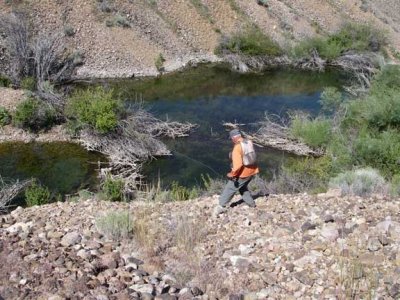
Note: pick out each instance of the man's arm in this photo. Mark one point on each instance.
(237, 163)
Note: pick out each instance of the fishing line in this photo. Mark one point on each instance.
(197, 161)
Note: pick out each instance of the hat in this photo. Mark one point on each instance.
(234, 132)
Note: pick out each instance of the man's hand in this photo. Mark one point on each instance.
(230, 176)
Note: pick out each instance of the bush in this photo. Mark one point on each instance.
(34, 115)
(37, 194)
(300, 175)
(212, 186)
(4, 81)
(182, 193)
(330, 99)
(114, 189)
(378, 150)
(361, 182)
(159, 63)
(95, 107)
(395, 185)
(355, 37)
(118, 20)
(316, 133)
(5, 117)
(115, 225)
(249, 42)
(105, 6)
(28, 83)
(69, 30)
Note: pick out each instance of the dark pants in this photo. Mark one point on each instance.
(234, 186)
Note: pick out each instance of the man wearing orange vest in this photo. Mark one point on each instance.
(239, 176)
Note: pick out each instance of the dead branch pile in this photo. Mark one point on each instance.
(45, 58)
(134, 143)
(9, 190)
(274, 133)
(16, 34)
(362, 66)
(245, 64)
(313, 63)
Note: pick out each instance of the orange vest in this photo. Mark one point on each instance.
(238, 169)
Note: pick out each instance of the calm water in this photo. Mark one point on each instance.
(207, 96)
(211, 95)
(64, 168)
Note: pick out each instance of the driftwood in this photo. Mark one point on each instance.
(361, 66)
(245, 64)
(8, 191)
(132, 144)
(272, 134)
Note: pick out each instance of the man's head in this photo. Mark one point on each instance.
(235, 135)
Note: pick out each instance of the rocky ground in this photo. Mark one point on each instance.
(186, 32)
(290, 247)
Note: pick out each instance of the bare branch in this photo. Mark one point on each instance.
(9, 190)
(134, 143)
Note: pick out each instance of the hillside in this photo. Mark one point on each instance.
(121, 38)
(290, 247)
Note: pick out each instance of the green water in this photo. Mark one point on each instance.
(64, 168)
(210, 95)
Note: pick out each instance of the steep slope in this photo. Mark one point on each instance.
(189, 30)
(290, 247)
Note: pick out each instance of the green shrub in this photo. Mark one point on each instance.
(250, 42)
(28, 83)
(4, 81)
(316, 133)
(95, 107)
(330, 99)
(182, 193)
(355, 37)
(115, 225)
(361, 182)
(118, 20)
(5, 117)
(113, 189)
(308, 174)
(378, 150)
(69, 30)
(212, 186)
(395, 185)
(37, 194)
(159, 63)
(34, 115)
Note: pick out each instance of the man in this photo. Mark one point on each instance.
(239, 176)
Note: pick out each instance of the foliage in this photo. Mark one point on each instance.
(262, 2)
(212, 186)
(5, 117)
(118, 20)
(313, 132)
(113, 189)
(330, 100)
(395, 185)
(115, 225)
(308, 174)
(69, 30)
(28, 83)
(378, 150)
(105, 6)
(159, 62)
(355, 37)
(4, 81)
(182, 193)
(360, 182)
(251, 41)
(95, 107)
(36, 194)
(34, 114)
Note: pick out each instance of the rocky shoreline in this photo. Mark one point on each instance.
(290, 247)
